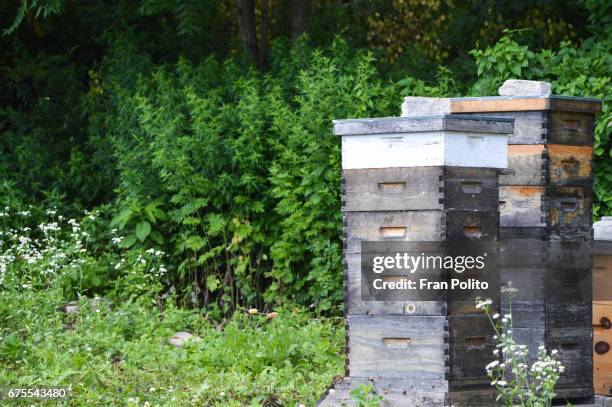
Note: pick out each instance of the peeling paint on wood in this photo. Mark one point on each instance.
(528, 163)
(521, 206)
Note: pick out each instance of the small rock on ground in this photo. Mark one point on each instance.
(181, 338)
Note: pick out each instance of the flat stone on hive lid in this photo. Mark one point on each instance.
(603, 229)
(518, 87)
(415, 106)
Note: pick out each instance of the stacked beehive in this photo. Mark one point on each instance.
(602, 307)
(545, 217)
(418, 179)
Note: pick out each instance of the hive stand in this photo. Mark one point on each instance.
(418, 179)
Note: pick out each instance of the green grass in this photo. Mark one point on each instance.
(120, 354)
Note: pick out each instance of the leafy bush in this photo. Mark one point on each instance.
(246, 170)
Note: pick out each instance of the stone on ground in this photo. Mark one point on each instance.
(181, 338)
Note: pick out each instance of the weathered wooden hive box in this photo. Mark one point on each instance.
(545, 218)
(602, 307)
(424, 179)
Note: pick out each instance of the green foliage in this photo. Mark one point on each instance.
(119, 353)
(134, 222)
(364, 396)
(35, 9)
(445, 85)
(305, 174)
(584, 70)
(247, 170)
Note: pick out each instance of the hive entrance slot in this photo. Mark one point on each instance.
(396, 342)
(392, 187)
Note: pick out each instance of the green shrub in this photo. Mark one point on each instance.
(248, 172)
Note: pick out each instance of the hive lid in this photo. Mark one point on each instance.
(390, 125)
(447, 140)
(525, 103)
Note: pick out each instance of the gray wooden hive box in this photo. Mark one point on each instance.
(425, 179)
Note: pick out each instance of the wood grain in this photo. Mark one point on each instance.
(602, 382)
(568, 208)
(481, 105)
(602, 278)
(390, 125)
(474, 398)
(569, 314)
(392, 189)
(471, 346)
(528, 163)
(529, 233)
(528, 303)
(571, 128)
(521, 206)
(575, 353)
(504, 104)
(472, 225)
(422, 358)
(355, 306)
(602, 340)
(532, 337)
(419, 225)
(570, 165)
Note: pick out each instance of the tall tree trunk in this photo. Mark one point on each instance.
(300, 13)
(246, 27)
(263, 35)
